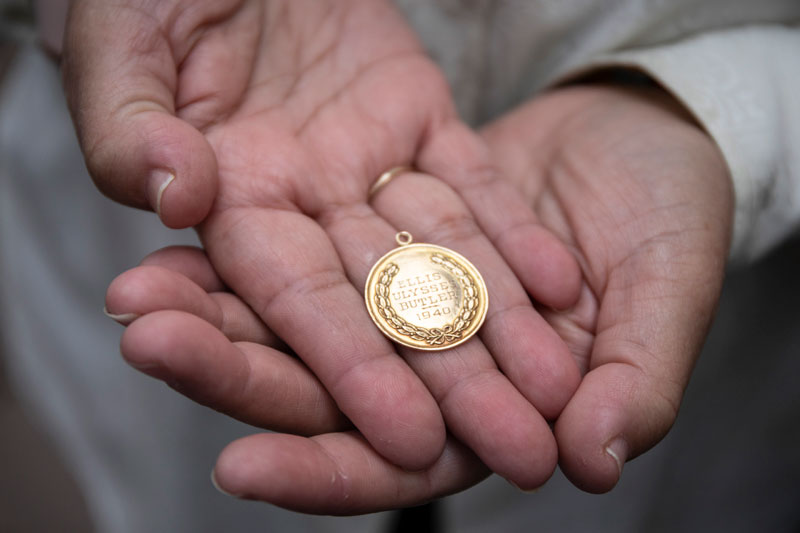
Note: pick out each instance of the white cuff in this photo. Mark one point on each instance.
(743, 86)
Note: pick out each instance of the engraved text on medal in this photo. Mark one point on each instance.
(425, 296)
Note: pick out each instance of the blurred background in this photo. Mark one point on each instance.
(37, 492)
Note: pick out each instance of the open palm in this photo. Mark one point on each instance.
(264, 123)
(643, 197)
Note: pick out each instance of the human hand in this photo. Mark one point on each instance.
(264, 123)
(215, 350)
(644, 199)
(618, 174)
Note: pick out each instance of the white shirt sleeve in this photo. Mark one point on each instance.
(743, 86)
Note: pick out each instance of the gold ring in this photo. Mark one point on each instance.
(386, 177)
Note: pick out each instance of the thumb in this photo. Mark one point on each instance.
(653, 319)
(120, 77)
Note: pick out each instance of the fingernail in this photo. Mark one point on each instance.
(158, 182)
(526, 491)
(124, 319)
(618, 450)
(216, 485)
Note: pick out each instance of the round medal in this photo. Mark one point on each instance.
(425, 296)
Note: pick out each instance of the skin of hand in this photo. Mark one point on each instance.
(215, 350)
(643, 197)
(264, 123)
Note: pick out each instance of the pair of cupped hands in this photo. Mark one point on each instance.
(599, 217)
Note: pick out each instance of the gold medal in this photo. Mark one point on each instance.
(425, 296)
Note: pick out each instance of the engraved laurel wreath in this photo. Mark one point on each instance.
(433, 336)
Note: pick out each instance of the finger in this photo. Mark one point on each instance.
(479, 405)
(521, 342)
(239, 321)
(544, 266)
(649, 336)
(189, 261)
(284, 266)
(250, 382)
(147, 289)
(576, 326)
(337, 474)
(120, 77)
